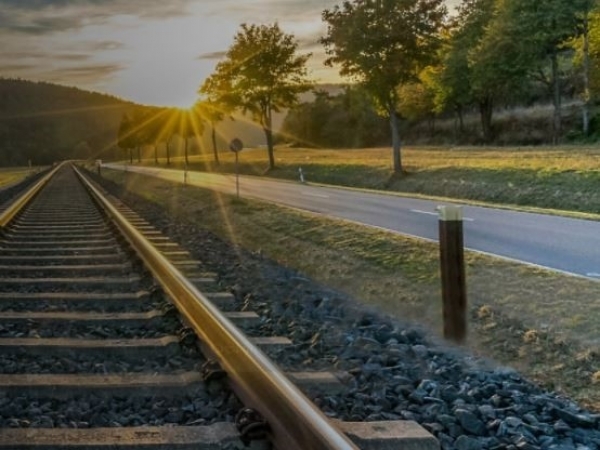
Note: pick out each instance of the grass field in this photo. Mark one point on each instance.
(13, 175)
(564, 178)
(542, 323)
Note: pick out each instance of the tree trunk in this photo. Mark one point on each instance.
(156, 154)
(269, 138)
(130, 156)
(586, 75)
(214, 144)
(139, 154)
(395, 128)
(186, 151)
(168, 154)
(461, 121)
(431, 124)
(486, 109)
(556, 100)
(269, 135)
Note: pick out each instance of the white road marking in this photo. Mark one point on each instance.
(429, 213)
(315, 195)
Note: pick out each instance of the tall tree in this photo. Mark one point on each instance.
(213, 113)
(587, 46)
(455, 81)
(189, 126)
(530, 36)
(125, 138)
(383, 44)
(260, 75)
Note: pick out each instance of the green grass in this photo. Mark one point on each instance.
(400, 276)
(563, 178)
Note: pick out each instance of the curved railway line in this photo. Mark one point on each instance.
(86, 330)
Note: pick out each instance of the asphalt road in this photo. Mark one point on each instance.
(558, 243)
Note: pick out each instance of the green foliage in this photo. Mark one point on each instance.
(384, 44)
(593, 29)
(261, 74)
(416, 100)
(344, 120)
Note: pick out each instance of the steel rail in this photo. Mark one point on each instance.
(11, 212)
(295, 423)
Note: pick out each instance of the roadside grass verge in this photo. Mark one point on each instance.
(543, 323)
(563, 178)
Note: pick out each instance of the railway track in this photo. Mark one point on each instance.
(101, 321)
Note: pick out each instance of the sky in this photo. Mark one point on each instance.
(154, 52)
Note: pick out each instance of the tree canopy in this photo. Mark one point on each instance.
(383, 44)
(260, 74)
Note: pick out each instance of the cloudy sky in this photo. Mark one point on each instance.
(149, 51)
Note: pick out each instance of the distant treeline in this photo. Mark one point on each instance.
(43, 122)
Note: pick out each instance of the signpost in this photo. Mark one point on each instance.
(236, 146)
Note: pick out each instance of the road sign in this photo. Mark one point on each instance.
(236, 145)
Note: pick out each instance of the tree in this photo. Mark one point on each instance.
(124, 136)
(189, 125)
(453, 82)
(169, 130)
(383, 44)
(347, 119)
(155, 130)
(530, 36)
(587, 56)
(261, 74)
(212, 112)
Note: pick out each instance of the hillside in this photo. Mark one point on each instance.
(44, 122)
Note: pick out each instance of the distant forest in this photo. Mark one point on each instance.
(44, 122)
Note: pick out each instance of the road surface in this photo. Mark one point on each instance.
(558, 243)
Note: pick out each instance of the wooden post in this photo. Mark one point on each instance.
(237, 176)
(454, 291)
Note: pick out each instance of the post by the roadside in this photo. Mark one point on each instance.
(301, 174)
(236, 146)
(452, 263)
(185, 174)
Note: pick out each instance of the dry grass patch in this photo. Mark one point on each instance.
(13, 175)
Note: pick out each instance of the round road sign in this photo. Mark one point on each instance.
(236, 145)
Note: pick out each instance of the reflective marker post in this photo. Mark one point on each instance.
(452, 263)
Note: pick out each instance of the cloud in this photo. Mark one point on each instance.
(14, 68)
(87, 74)
(99, 46)
(213, 55)
(41, 17)
(282, 10)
